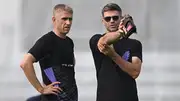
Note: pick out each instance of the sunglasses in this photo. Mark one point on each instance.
(108, 18)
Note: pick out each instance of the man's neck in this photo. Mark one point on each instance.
(59, 34)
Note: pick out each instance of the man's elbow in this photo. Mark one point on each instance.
(136, 71)
(102, 40)
(23, 64)
(27, 60)
(26, 65)
(135, 75)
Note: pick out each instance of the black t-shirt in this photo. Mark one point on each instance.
(56, 59)
(113, 83)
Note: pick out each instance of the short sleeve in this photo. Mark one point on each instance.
(137, 51)
(97, 55)
(40, 48)
(93, 42)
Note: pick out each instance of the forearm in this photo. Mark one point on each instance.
(31, 76)
(110, 37)
(131, 69)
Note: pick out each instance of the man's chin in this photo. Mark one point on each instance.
(66, 32)
(113, 30)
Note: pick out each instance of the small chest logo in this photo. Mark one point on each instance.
(67, 65)
(126, 55)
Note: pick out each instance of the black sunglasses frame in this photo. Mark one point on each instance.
(108, 18)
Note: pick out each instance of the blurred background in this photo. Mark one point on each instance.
(22, 22)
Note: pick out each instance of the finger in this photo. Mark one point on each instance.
(124, 29)
(122, 19)
(101, 47)
(104, 52)
(107, 46)
(105, 49)
(121, 23)
(121, 31)
(60, 89)
(52, 92)
(120, 26)
(55, 90)
(101, 50)
(54, 83)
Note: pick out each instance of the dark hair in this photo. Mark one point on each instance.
(111, 7)
(62, 7)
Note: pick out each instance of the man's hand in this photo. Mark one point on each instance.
(127, 26)
(122, 30)
(106, 49)
(51, 89)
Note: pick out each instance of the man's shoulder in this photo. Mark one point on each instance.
(46, 37)
(95, 37)
(134, 42)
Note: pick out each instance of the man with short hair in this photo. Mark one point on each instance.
(117, 60)
(55, 53)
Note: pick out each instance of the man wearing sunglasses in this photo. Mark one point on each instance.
(55, 53)
(117, 60)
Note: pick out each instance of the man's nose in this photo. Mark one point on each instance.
(111, 20)
(68, 21)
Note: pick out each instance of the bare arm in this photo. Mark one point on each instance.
(28, 68)
(109, 38)
(133, 69)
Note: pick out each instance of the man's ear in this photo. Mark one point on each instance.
(102, 19)
(53, 19)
